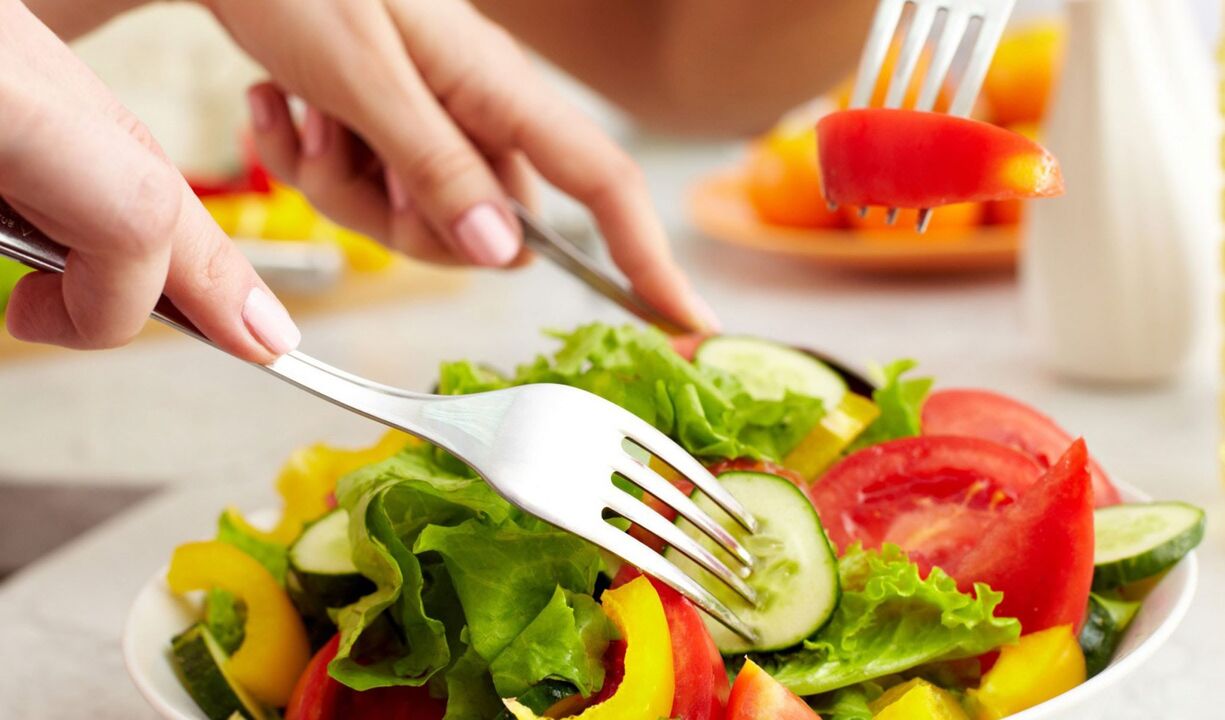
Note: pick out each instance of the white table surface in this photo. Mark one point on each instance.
(178, 413)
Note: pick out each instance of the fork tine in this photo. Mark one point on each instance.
(644, 558)
(636, 512)
(917, 32)
(884, 25)
(662, 446)
(956, 20)
(667, 493)
(980, 57)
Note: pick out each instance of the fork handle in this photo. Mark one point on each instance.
(31, 247)
(28, 245)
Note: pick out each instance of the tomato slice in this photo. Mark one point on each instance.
(1001, 419)
(933, 496)
(701, 677)
(757, 696)
(316, 696)
(392, 703)
(913, 159)
(1039, 553)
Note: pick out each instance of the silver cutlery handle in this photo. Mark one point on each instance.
(548, 242)
(29, 246)
(26, 244)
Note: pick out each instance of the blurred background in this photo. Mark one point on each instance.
(150, 440)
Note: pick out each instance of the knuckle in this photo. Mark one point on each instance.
(145, 220)
(618, 174)
(437, 170)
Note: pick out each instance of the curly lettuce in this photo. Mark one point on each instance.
(706, 410)
(472, 598)
(900, 401)
(891, 619)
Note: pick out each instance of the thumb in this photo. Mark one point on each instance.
(218, 290)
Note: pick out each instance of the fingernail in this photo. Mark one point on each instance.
(703, 314)
(314, 133)
(269, 321)
(485, 237)
(261, 110)
(396, 193)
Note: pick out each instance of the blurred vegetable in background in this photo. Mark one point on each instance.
(10, 272)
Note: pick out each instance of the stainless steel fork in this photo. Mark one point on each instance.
(957, 15)
(551, 450)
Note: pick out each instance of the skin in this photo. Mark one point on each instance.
(404, 139)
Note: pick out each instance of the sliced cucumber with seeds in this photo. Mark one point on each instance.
(1136, 541)
(768, 370)
(322, 563)
(200, 664)
(796, 571)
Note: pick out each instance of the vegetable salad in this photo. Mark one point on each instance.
(947, 554)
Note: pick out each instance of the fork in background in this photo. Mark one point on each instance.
(946, 40)
(551, 450)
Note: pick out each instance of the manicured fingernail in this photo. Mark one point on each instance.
(396, 193)
(485, 237)
(269, 321)
(703, 314)
(261, 110)
(314, 133)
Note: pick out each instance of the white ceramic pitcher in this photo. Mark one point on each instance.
(1113, 273)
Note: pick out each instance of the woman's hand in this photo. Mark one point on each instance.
(85, 171)
(423, 118)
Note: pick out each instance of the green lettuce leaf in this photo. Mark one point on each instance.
(891, 619)
(705, 410)
(901, 404)
(226, 618)
(272, 556)
(525, 624)
(473, 598)
(848, 703)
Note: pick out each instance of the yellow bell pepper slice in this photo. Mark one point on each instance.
(646, 690)
(821, 447)
(1038, 667)
(307, 482)
(917, 699)
(275, 649)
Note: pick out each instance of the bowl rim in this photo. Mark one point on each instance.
(1187, 569)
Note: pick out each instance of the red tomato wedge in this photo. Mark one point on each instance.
(317, 696)
(393, 703)
(995, 417)
(932, 496)
(1040, 551)
(701, 677)
(913, 159)
(757, 696)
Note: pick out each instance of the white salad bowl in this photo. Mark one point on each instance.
(158, 614)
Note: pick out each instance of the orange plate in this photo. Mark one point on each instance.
(719, 207)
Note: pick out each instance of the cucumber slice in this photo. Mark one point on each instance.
(322, 563)
(1136, 541)
(541, 697)
(796, 573)
(200, 664)
(768, 370)
(1105, 622)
